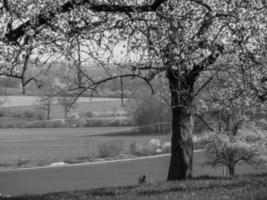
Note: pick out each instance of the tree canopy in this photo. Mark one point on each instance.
(151, 36)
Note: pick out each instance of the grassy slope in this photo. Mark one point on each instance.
(245, 188)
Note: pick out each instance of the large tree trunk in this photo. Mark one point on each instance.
(182, 145)
(181, 82)
(182, 128)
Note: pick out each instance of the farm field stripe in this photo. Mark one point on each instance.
(95, 163)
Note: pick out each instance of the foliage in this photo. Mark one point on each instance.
(87, 114)
(46, 103)
(105, 122)
(22, 123)
(69, 122)
(138, 150)
(148, 112)
(67, 102)
(47, 98)
(226, 149)
(106, 150)
(175, 34)
(28, 115)
(228, 107)
(22, 162)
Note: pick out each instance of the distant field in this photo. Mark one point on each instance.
(33, 100)
(42, 146)
(84, 104)
(57, 111)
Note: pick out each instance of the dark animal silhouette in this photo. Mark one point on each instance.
(142, 179)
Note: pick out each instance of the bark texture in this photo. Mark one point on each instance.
(182, 94)
(182, 145)
(182, 128)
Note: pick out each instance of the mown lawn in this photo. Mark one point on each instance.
(203, 188)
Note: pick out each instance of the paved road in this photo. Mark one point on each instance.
(36, 181)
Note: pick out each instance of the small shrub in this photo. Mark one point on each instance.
(105, 122)
(138, 150)
(86, 114)
(153, 145)
(106, 150)
(22, 162)
(45, 124)
(4, 165)
(167, 147)
(28, 114)
(79, 159)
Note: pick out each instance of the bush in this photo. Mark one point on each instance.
(46, 124)
(24, 115)
(167, 147)
(106, 150)
(86, 114)
(22, 162)
(148, 112)
(138, 150)
(104, 122)
(152, 148)
(70, 122)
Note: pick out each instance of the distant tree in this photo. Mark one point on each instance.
(46, 102)
(229, 109)
(149, 111)
(246, 146)
(67, 102)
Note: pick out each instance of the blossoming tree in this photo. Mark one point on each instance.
(181, 39)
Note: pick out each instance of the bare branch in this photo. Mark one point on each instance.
(204, 121)
(125, 8)
(200, 2)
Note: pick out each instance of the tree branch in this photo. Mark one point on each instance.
(200, 2)
(43, 18)
(197, 68)
(204, 122)
(126, 8)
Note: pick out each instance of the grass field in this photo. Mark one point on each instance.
(42, 146)
(89, 175)
(241, 188)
